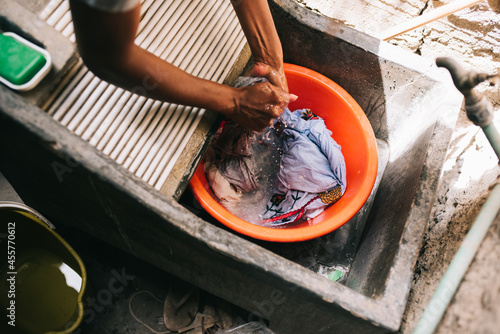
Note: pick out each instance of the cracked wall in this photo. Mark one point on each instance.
(471, 36)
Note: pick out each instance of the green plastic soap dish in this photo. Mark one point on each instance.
(22, 63)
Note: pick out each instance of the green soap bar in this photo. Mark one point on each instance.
(19, 63)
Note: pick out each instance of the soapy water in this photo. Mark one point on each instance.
(267, 153)
(267, 150)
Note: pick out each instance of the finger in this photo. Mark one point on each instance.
(273, 110)
(277, 80)
(275, 76)
(278, 110)
(286, 98)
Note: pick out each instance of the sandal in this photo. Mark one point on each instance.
(181, 305)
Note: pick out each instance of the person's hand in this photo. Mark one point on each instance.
(258, 105)
(275, 74)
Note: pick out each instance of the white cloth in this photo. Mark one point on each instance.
(112, 5)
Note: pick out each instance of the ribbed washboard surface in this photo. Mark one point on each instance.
(202, 37)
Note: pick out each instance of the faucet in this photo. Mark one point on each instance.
(479, 109)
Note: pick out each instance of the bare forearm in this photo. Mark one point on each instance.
(258, 25)
(144, 73)
(106, 43)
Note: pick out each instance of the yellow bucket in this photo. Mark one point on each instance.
(42, 279)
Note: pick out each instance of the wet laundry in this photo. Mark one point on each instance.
(311, 173)
(229, 164)
(312, 170)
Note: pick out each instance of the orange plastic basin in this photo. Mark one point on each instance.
(351, 129)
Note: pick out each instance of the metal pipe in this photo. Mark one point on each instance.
(463, 79)
(493, 136)
(458, 266)
(479, 109)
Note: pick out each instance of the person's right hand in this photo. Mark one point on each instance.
(258, 105)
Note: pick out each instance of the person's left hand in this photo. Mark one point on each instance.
(275, 74)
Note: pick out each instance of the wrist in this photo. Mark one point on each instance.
(274, 62)
(225, 101)
(268, 52)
